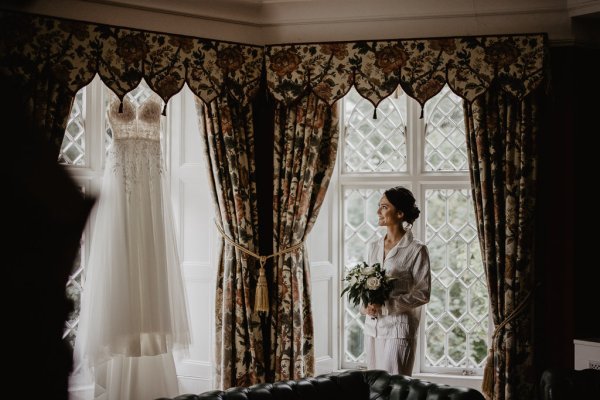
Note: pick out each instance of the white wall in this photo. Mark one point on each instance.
(291, 21)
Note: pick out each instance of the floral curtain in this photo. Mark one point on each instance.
(470, 65)
(306, 140)
(53, 58)
(501, 141)
(228, 139)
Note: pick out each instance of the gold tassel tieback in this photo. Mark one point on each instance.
(261, 297)
(487, 384)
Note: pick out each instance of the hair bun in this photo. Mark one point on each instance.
(411, 215)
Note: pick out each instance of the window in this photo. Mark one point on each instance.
(428, 156)
(72, 155)
(83, 151)
(72, 150)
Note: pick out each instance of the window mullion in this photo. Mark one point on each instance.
(94, 123)
(415, 142)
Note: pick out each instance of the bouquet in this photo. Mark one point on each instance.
(368, 284)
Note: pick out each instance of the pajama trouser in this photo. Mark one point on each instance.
(395, 356)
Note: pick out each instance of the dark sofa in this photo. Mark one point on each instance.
(348, 385)
(567, 384)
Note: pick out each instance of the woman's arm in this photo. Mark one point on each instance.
(402, 299)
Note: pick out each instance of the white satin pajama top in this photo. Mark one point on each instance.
(408, 261)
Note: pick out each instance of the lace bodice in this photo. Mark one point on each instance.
(141, 122)
(135, 154)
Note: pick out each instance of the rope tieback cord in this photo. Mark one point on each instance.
(261, 298)
(487, 385)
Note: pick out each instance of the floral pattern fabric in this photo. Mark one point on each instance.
(54, 58)
(470, 65)
(501, 140)
(228, 140)
(306, 141)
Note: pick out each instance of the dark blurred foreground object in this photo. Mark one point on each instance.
(570, 384)
(348, 385)
(44, 217)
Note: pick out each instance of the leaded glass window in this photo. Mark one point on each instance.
(431, 160)
(375, 145)
(457, 314)
(72, 150)
(445, 144)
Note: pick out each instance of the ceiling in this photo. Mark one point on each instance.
(284, 21)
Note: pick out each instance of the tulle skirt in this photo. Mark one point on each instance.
(130, 378)
(136, 378)
(133, 301)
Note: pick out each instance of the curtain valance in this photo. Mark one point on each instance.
(70, 53)
(470, 65)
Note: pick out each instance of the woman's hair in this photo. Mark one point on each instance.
(403, 200)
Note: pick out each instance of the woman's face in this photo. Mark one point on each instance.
(387, 215)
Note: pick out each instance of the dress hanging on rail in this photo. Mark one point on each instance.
(133, 312)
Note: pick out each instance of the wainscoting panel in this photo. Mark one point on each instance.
(323, 322)
(194, 377)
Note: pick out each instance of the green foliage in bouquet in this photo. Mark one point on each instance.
(368, 284)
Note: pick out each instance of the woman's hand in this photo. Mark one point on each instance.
(373, 310)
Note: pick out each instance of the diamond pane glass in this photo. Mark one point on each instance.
(72, 150)
(375, 145)
(73, 291)
(457, 315)
(445, 142)
(360, 227)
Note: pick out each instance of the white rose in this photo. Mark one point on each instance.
(373, 283)
(368, 270)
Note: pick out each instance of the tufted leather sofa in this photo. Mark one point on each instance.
(567, 384)
(348, 385)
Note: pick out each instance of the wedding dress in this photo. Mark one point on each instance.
(133, 309)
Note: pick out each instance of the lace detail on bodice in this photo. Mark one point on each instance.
(142, 122)
(139, 161)
(136, 152)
